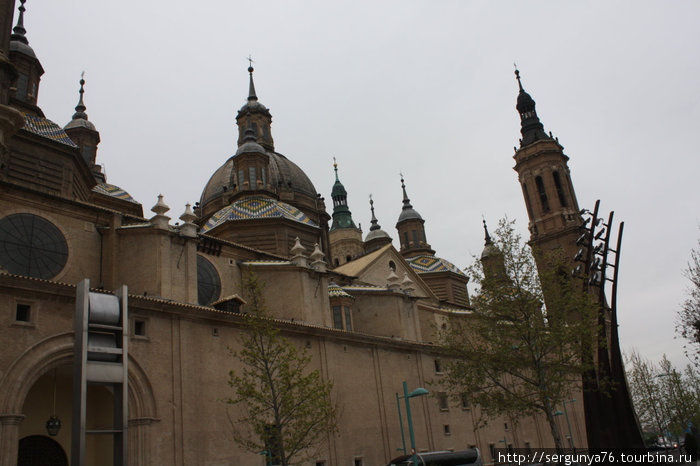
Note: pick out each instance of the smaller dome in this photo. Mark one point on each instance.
(407, 210)
(253, 106)
(21, 47)
(525, 102)
(490, 250)
(250, 146)
(375, 234)
(409, 214)
(80, 123)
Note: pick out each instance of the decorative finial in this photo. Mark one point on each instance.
(80, 108)
(406, 200)
(517, 76)
(251, 88)
(375, 222)
(335, 167)
(487, 237)
(18, 32)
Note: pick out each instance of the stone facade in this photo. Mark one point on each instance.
(178, 279)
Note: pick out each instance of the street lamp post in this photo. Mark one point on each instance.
(420, 391)
(403, 438)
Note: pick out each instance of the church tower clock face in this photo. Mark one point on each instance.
(31, 246)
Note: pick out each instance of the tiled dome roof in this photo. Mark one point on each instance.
(429, 264)
(256, 207)
(114, 191)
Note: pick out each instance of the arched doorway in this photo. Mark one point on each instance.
(26, 399)
(39, 450)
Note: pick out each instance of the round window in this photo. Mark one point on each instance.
(208, 282)
(32, 246)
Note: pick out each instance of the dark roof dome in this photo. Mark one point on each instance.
(250, 143)
(22, 47)
(282, 172)
(80, 118)
(525, 102)
(18, 39)
(408, 214)
(407, 210)
(490, 249)
(253, 105)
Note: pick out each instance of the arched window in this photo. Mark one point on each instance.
(527, 200)
(560, 189)
(208, 282)
(542, 193)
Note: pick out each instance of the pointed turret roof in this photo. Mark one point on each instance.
(80, 118)
(252, 105)
(375, 230)
(531, 127)
(407, 211)
(342, 217)
(490, 249)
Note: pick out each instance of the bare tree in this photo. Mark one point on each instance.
(288, 407)
(688, 319)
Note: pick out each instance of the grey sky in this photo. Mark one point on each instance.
(420, 87)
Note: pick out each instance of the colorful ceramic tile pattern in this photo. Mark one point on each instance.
(113, 191)
(47, 129)
(335, 291)
(428, 264)
(256, 207)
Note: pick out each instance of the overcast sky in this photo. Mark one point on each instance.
(425, 88)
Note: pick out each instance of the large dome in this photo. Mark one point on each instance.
(282, 172)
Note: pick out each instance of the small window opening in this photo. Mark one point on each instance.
(446, 429)
(415, 238)
(139, 327)
(542, 193)
(348, 321)
(252, 177)
(392, 266)
(337, 317)
(464, 399)
(438, 365)
(23, 313)
(560, 189)
(442, 402)
(348, 258)
(527, 200)
(358, 462)
(405, 239)
(336, 262)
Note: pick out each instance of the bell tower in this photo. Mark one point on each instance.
(545, 179)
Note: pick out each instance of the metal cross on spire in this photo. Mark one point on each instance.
(250, 60)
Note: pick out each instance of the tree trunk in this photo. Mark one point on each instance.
(553, 427)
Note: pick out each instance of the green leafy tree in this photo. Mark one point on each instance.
(513, 356)
(287, 407)
(646, 394)
(688, 319)
(665, 399)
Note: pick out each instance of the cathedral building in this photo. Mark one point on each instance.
(366, 309)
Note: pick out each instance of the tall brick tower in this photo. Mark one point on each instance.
(544, 177)
(556, 224)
